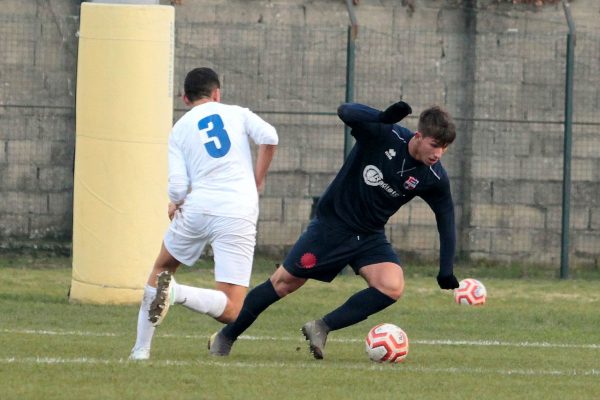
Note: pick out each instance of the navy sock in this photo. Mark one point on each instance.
(257, 300)
(357, 308)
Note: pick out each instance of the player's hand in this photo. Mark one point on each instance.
(395, 113)
(447, 281)
(172, 209)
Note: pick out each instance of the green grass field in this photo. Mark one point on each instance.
(536, 338)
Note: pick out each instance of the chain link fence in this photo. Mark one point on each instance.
(37, 123)
(505, 90)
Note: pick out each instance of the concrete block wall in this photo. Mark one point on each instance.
(516, 167)
(37, 85)
(497, 68)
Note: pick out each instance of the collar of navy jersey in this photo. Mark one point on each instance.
(398, 134)
(402, 168)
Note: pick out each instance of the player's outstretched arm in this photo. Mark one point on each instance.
(354, 113)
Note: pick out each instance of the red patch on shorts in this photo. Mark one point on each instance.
(308, 260)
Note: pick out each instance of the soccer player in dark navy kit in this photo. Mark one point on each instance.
(388, 166)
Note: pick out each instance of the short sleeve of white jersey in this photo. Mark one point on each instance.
(259, 130)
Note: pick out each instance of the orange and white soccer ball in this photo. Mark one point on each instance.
(387, 343)
(470, 292)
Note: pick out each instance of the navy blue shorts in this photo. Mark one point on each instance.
(322, 251)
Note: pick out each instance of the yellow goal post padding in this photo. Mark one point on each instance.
(124, 112)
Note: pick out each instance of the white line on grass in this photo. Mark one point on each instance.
(302, 365)
(453, 342)
(58, 333)
(434, 342)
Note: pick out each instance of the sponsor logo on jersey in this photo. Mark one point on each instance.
(373, 177)
(391, 153)
(411, 183)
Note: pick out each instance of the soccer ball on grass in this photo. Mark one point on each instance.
(470, 292)
(387, 343)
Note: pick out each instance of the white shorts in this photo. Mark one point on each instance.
(232, 240)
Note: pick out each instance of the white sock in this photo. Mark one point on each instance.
(205, 301)
(145, 329)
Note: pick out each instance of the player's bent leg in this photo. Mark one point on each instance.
(386, 283)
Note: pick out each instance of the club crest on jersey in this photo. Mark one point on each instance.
(411, 183)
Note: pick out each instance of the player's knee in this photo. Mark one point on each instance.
(285, 283)
(391, 286)
(392, 290)
(395, 292)
(283, 288)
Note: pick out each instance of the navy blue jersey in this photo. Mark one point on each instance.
(380, 176)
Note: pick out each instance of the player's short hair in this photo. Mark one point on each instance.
(200, 82)
(435, 122)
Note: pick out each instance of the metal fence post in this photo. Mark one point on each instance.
(350, 52)
(566, 192)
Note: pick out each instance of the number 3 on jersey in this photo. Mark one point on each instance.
(218, 143)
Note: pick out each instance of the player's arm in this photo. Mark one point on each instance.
(178, 178)
(442, 205)
(263, 161)
(353, 114)
(265, 135)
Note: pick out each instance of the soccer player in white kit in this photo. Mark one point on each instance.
(213, 193)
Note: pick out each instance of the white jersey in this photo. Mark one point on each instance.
(210, 160)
